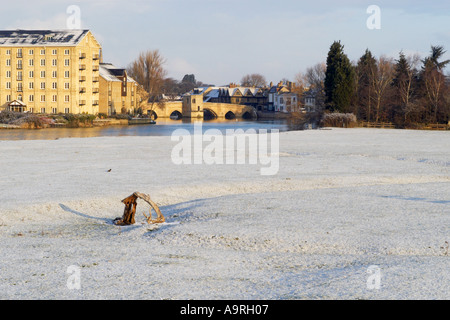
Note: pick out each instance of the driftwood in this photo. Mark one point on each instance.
(130, 210)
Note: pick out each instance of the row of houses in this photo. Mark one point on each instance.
(61, 71)
(277, 98)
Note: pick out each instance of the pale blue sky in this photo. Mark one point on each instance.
(220, 41)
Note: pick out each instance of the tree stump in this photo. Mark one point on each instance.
(130, 210)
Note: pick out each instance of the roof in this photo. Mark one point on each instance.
(17, 103)
(50, 38)
(109, 72)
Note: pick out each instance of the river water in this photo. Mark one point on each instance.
(161, 128)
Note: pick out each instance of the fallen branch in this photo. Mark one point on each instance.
(130, 210)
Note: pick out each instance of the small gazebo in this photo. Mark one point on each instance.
(17, 106)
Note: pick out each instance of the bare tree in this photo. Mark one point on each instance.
(381, 80)
(434, 80)
(149, 72)
(253, 80)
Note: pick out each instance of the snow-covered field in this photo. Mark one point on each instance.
(351, 214)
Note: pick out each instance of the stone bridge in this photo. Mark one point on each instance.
(213, 110)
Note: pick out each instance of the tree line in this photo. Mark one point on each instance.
(405, 91)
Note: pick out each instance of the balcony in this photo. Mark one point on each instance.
(95, 79)
(82, 102)
(96, 57)
(95, 68)
(19, 55)
(82, 55)
(95, 103)
(82, 90)
(95, 90)
(82, 78)
(19, 66)
(82, 67)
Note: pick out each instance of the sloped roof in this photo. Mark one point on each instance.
(110, 73)
(50, 38)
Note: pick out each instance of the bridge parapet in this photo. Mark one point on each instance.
(220, 110)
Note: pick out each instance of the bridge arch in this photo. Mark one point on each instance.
(247, 115)
(152, 114)
(176, 115)
(209, 114)
(230, 115)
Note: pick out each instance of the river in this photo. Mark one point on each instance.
(161, 128)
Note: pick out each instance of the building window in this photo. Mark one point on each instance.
(31, 52)
(54, 98)
(66, 85)
(31, 98)
(66, 52)
(42, 110)
(19, 87)
(31, 74)
(54, 110)
(54, 52)
(8, 62)
(42, 62)
(31, 85)
(42, 74)
(54, 74)
(66, 110)
(42, 85)
(54, 85)
(66, 99)
(19, 53)
(8, 74)
(66, 62)
(54, 62)
(8, 98)
(43, 98)
(42, 51)
(8, 52)
(66, 74)
(31, 62)
(8, 85)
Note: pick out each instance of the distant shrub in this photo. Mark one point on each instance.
(336, 119)
(79, 120)
(8, 117)
(31, 121)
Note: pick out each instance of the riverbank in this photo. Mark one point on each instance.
(347, 206)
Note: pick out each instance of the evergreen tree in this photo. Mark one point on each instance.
(339, 79)
(405, 85)
(365, 69)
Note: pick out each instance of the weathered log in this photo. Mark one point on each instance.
(130, 210)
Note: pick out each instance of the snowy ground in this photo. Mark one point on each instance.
(343, 200)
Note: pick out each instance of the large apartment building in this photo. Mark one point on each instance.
(50, 71)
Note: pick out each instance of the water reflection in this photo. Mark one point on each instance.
(163, 127)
